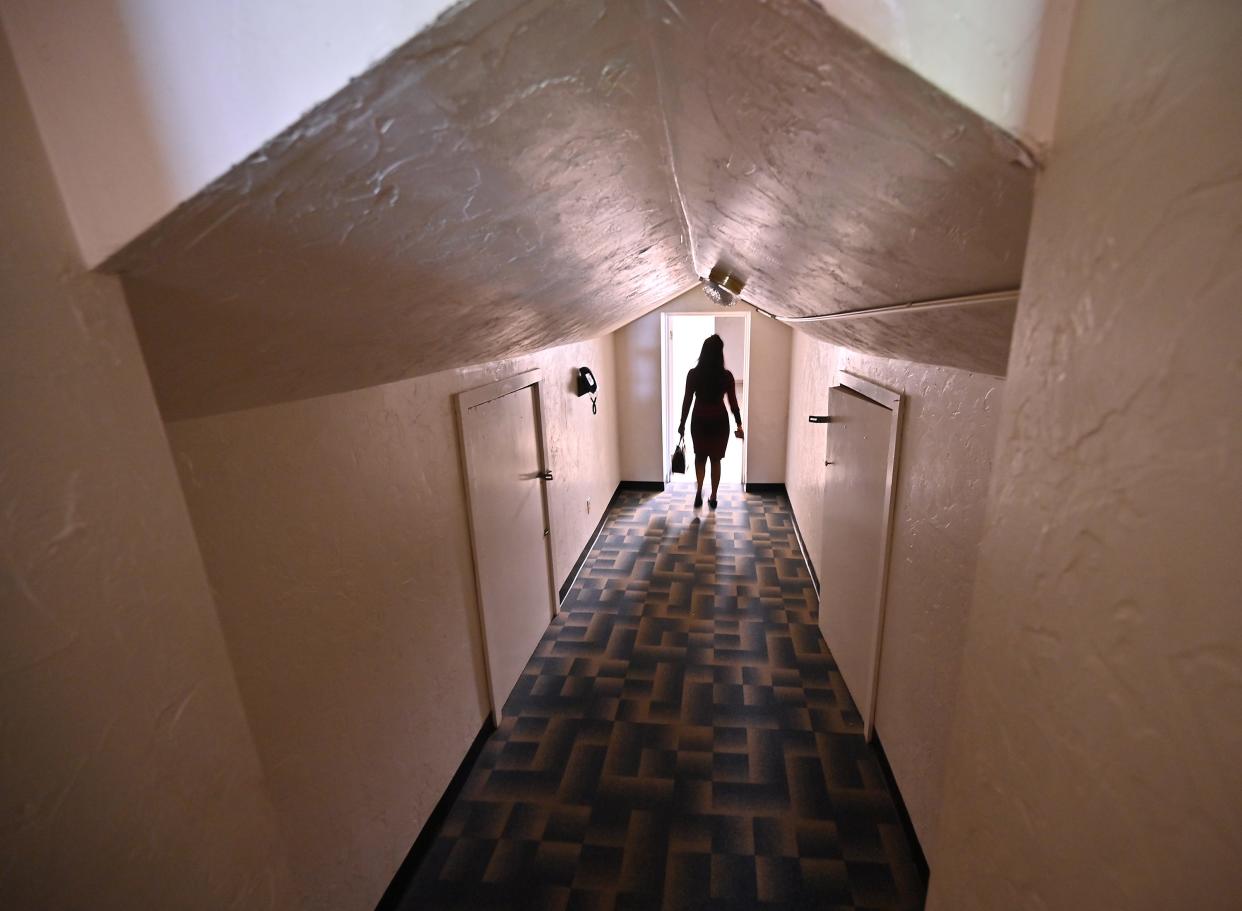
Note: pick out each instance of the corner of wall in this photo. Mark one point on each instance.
(133, 756)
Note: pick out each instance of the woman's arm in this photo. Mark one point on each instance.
(731, 392)
(685, 402)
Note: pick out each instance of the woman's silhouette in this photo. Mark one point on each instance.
(707, 385)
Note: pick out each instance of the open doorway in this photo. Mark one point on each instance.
(682, 336)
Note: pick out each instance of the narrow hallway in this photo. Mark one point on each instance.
(680, 739)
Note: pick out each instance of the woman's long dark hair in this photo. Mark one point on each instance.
(711, 368)
(712, 353)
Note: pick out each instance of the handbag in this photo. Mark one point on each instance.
(679, 456)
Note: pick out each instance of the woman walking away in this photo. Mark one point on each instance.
(707, 385)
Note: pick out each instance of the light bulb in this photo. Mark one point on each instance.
(718, 294)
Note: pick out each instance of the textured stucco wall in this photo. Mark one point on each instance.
(949, 428)
(1095, 757)
(638, 358)
(128, 778)
(766, 435)
(335, 535)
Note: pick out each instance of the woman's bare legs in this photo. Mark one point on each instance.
(700, 469)
(715, 478)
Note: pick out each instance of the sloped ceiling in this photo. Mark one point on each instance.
(831, 178)
(496, 186)
(525, 174)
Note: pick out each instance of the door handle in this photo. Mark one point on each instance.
(547, 475)
(821, 419)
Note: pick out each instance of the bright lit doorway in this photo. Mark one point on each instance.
(681, 337)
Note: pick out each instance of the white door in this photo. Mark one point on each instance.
(505, 472)
(853, 565)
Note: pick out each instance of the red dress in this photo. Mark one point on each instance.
(709, 425)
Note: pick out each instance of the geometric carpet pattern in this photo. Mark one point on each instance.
(681, 738)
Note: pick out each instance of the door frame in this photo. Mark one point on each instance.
(885, 398)
(669, 401)
(472, 398)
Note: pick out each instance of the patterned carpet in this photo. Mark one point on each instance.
(680, 739)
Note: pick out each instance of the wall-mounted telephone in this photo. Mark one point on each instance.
(587, 385)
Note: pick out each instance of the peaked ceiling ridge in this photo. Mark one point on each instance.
(662, 102)
(528, 173)
(1024, 154)
(831, 177)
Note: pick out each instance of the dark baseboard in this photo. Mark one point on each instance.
(657, 486)
(806, 554)
(400, 885)
(916, 849)
(573, 573)
(766, 488)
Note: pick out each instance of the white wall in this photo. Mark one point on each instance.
(141, 103)
(1000, 58)
(638, 357)
(812, 371)
(128, 776)
(638, 400)
(732, 332)
(948, 432)
(1095, 758)
(335, 535)
(766, 424)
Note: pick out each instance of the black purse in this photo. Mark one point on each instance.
(679, 457)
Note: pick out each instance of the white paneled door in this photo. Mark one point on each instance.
(506, 479)
(858, 486)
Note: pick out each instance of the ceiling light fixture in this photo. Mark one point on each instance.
(722, 288)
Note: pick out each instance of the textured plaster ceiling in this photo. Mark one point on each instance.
(525, 174)
(497, 186)
(831, 178)
(972, 338)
